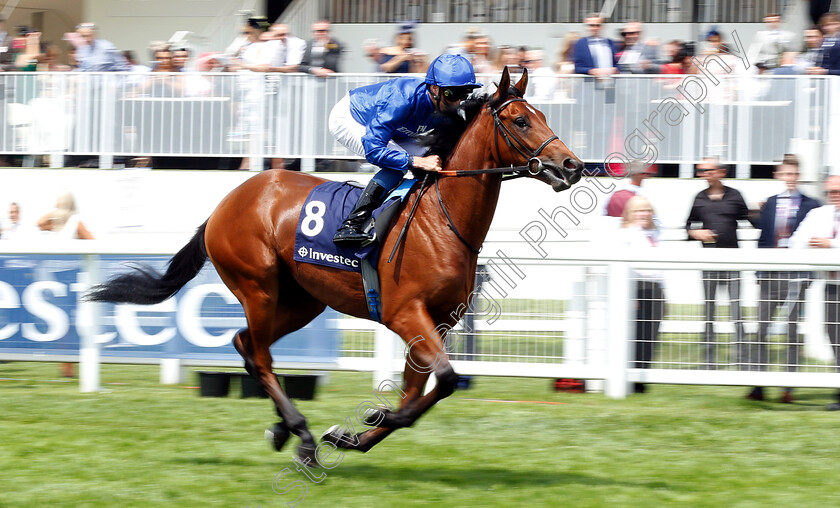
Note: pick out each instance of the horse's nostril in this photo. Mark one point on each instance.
(572, 164)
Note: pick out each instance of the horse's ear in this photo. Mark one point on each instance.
(504, 83)
(522, 84)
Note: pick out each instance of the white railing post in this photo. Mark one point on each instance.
(171, 372)
(107, 121)
(87, 324)
(619, 299)
(256, 105)
(386, 351)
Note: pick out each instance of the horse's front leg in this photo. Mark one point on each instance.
(425, 355)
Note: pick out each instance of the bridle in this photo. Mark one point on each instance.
(534, 167)
(514, 142)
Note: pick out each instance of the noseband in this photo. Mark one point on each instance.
(535, 165)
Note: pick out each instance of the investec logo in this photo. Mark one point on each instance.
(307, 252)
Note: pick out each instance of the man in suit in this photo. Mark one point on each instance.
(830, 26)
(638, 57)
(811, 59)
(595, 55)
(323, 53)
(768, 46)
(780, 217)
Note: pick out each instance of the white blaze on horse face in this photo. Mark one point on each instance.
(530, 109)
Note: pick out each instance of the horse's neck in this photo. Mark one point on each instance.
(472, 199)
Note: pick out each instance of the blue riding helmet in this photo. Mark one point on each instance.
(450, 70)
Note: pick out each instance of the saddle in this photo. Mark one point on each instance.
(322, 213)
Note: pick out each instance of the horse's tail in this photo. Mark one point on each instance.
(145, 286)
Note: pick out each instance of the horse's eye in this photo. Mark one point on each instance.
(521, 122)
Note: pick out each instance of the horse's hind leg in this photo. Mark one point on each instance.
(287, 317)
(270, 317)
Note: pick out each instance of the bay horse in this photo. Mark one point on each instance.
(250, 240)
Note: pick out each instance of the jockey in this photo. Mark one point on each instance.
(380, 122)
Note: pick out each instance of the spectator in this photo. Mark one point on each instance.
(637, 57)
(810, 60)
(480, 57)
(717, 211)
(64, 220)
(638, 172)
(565, 62)
(257, 56)
(287, 49)
(27, 60)
(541, 79)
(638, 231)
(180, 59)
(6, 53)
(507, 56)
(251, 31)
(373, 52)
(595, 55)
(768, 45)
(830, 26)
(714, 43)
(158, 85)
(397, 59)
(681, 61)
(323, 53)
(780, 217)
(821, 230)
(97, 55)
(14, 228)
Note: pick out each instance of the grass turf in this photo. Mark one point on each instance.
(142, 444)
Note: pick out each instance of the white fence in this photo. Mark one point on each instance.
(573, 317)
(741, 119)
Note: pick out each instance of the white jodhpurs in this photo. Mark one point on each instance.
(349, 132)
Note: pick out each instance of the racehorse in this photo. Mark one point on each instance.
(250, 240)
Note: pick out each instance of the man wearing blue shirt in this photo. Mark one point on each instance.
(381, 122)
(97, 55)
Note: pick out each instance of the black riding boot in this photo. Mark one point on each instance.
(350, 233)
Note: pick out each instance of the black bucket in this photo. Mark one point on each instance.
(300, 386)
(252, 388)
(214, 384)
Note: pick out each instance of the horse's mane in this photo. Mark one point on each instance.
(443, 138)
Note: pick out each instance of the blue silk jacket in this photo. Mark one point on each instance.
(397, 109)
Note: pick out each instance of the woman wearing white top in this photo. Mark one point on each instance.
(639, 231)
(64, 220)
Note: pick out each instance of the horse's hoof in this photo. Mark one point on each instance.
(340, 438)
(277, 435)
(374, 417)
(306, 454)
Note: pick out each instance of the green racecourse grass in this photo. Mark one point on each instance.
(142, 444)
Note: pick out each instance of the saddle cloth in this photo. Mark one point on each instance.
(326, 207)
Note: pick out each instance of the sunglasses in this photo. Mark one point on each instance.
(455, 94)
